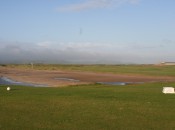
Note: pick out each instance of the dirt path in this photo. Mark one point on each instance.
(58, 78)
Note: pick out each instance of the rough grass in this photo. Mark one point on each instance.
(154, 70)
(90, 107)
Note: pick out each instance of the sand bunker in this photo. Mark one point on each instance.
(64, 78)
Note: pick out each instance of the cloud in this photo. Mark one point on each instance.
(13, 49)
(82, 53)
(59, 52)
(53, 52)
(94, 4)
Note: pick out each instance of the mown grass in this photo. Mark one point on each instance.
(88, 107)
(154, 70)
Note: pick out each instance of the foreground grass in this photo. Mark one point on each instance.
(119, 69)
(91, 107)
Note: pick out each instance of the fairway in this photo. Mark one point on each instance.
(88, 107)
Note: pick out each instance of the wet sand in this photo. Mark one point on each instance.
(57, 78)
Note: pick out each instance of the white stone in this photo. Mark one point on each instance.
(169, 90)
(8, 88)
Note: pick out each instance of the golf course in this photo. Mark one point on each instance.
(85, 104)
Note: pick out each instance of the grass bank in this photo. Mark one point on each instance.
(91, 107)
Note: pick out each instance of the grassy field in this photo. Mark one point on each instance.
(119, 69)
(91, 107)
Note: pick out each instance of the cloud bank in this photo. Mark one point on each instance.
(84, 52)
(54, 52)
(94, 4)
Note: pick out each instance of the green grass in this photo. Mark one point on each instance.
(119, 69)
(88, 107)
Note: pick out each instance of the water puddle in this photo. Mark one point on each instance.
(7, 81)
(119, 83)
(67, 79)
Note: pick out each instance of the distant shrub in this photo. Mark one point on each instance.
(3, 65)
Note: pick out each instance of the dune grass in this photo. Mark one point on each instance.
(87, 107)
(154, 70)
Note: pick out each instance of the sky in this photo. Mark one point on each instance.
(87, 31)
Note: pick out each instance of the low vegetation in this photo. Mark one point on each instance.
(154, 70)
(87, 107)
